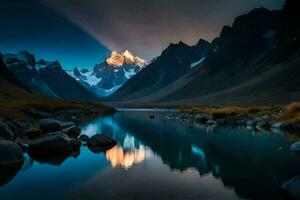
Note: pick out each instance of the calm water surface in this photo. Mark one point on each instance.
(161, 159)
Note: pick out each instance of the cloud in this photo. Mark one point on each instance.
(146, 27)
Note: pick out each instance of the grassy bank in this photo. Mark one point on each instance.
(14, 101)
(17, 109)
(289, 113)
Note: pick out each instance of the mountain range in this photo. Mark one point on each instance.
(254, 61)
(105, 78)
(45, 78)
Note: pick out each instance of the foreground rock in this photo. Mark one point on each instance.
(5, 132)
(99, 143)
(292, 187)
(84, 138)
(53, 144)
(73, 131)
(295, 147)
(50, 125)
(11, 160)
(10, 153)
(33, 132)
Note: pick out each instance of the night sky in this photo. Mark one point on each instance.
(80, 33)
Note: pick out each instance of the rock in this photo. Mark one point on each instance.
(295, 147)
(250, 123)
(100, 143)
(292, 187)
(219, 115)
(11, 160)
(10, 153)
(211, 122)
(76, 144)
(33, 132)
(262, 124)
(66, 125)
(279, 125)
(84, 137)
(151, 117)
(50, 125)
(5, 132)
(201, 119)
(36, 113)
(12, 125)
(53, 144)
(73, 132)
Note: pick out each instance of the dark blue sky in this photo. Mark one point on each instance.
(80, 32)
(28, 25)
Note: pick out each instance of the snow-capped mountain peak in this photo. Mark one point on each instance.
(105, 78)
(116, 59)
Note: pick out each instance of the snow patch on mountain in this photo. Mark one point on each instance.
(194, 64)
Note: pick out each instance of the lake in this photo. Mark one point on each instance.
(162, 158)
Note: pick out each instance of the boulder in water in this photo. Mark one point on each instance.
(73, 131)
(84, 137)
(292, 187)
(52, 144)
(11, 160)
(295, 147)
(100, 143)
(50, 125)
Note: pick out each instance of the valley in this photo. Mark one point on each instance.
(216, 119)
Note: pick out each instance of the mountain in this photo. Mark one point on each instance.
(46, 78)
(254, 61)
(107, 77)
(23, 65)
(10, 86)
(173, 63)
(7, 75)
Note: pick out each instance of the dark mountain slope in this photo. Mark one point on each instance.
(45, 78)
(254, 61)
(64, 85)
(174, 62)
(7, 75)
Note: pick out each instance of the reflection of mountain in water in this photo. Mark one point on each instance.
(129, 150)
(117, 156)
(255, 166)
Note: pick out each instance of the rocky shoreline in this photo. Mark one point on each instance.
(262, 121)
(251, 121)
(47, 138)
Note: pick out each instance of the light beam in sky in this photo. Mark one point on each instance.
(147, 27)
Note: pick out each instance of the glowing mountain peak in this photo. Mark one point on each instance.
(127, 57)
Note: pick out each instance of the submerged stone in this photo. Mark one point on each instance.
(296, 147)
(100, 143)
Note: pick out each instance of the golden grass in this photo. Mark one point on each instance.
(13, 101)
(15, 108)
(291, 113)
(232, 110)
